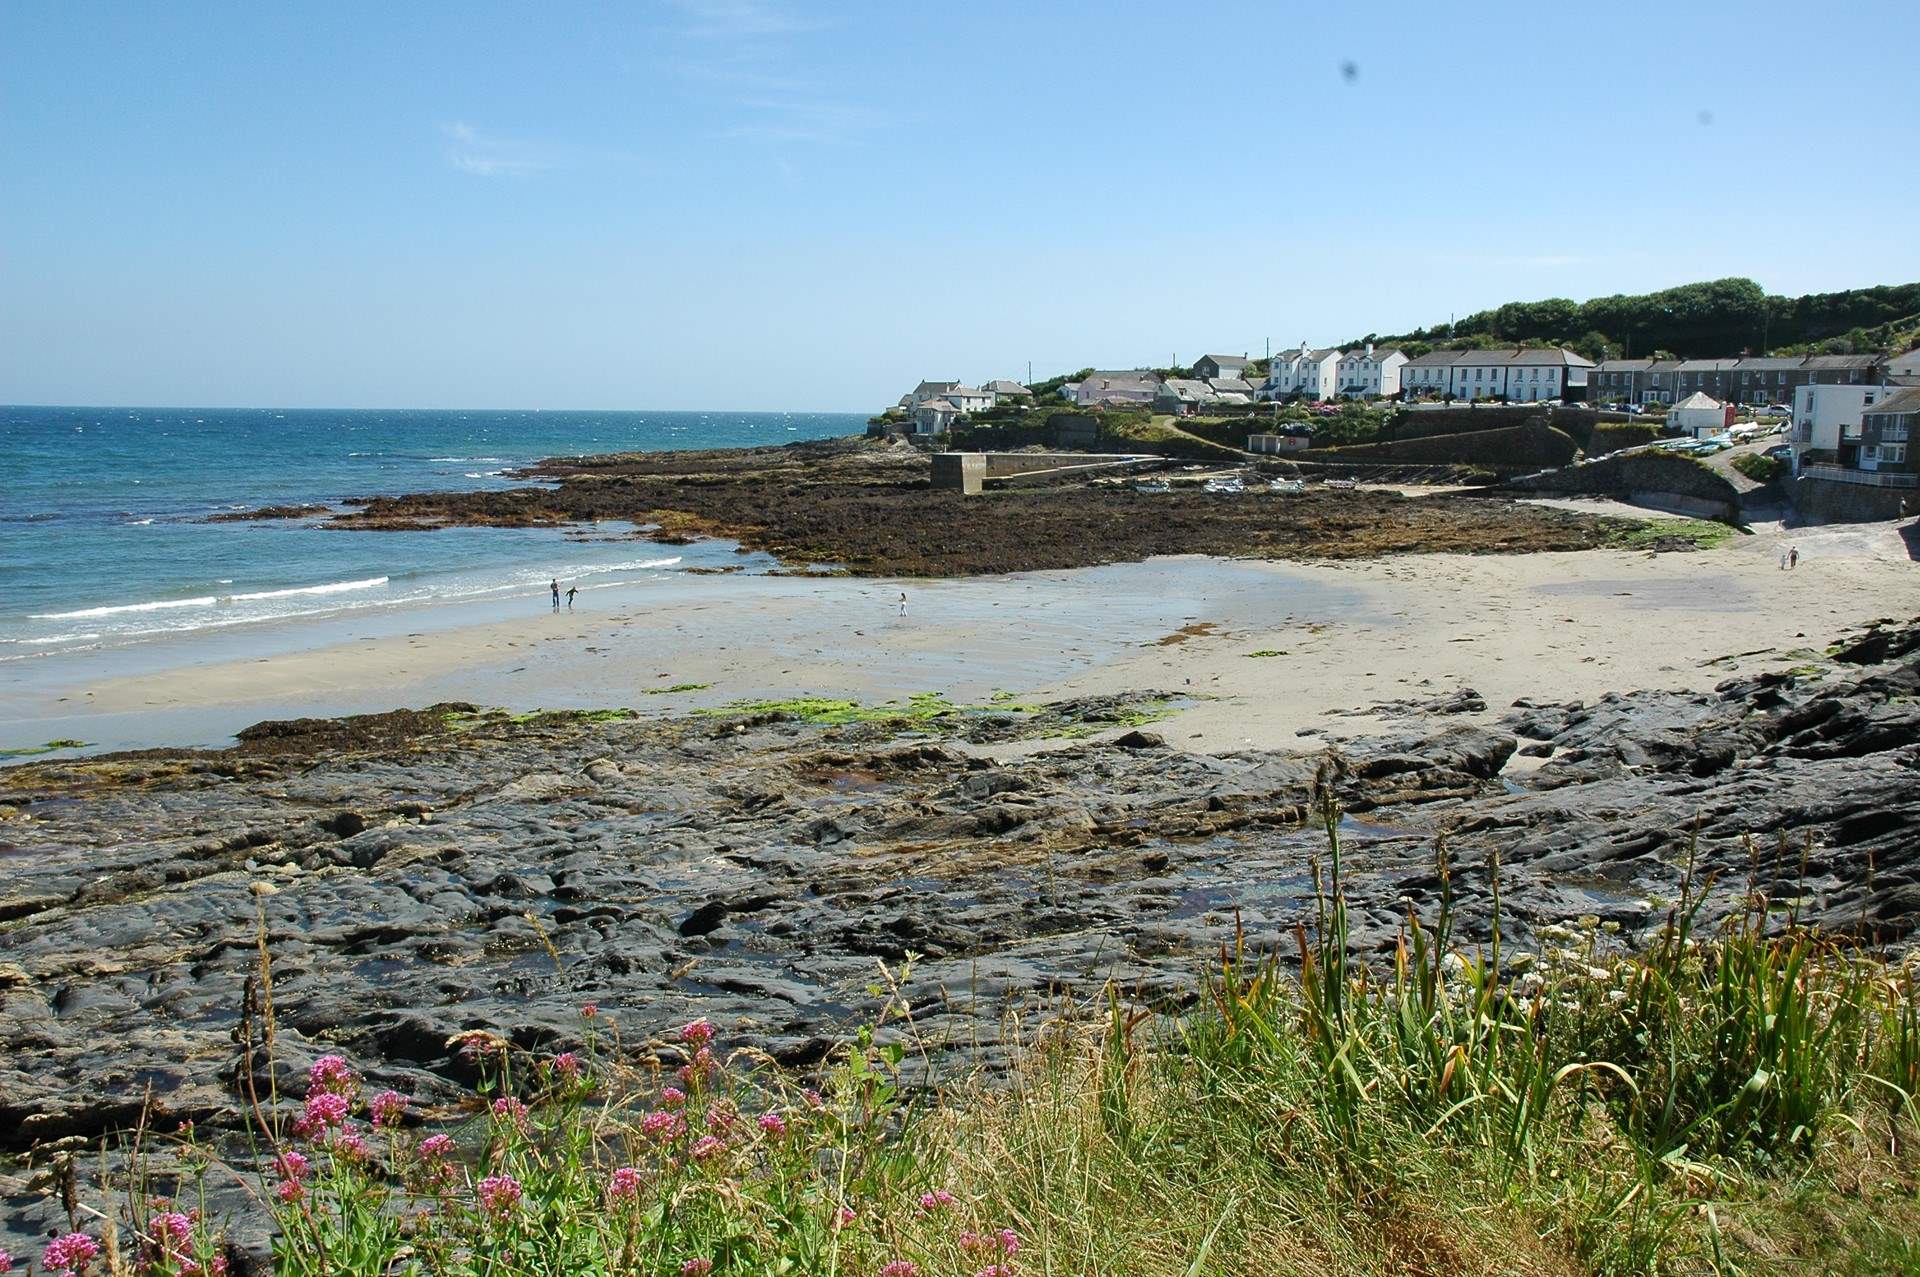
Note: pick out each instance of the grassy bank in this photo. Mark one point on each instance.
(1741, 1103)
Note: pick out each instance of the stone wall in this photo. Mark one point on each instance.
(1834, 501)
(1662, 480)
(1523, 447)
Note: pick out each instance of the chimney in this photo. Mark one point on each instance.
(1369, 350)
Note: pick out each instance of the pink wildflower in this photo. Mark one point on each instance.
(996, 1270)
(697, 1033)
(590, 1010)
(291, 1191)
(706, 1146)
(663, 1126)
(499, 1195)
(814, 1099)
(672, 1097)
(901, 1268)
(843, 1217)
(71, 1253)
(6, 1262)
(349, 1145)
(330, 1073)
(436, 1146)
(387, 1108)
(720, 1118)
(973, 1241)
(1009, 1241)
(566, 1064)
(697, 1069)
(938, 1199)
(696, 1268)
(169, 1229)
(510, 1110)
(624, 1184)
(324, 1108)
(292, 1165)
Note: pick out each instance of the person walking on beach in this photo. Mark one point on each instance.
(903, 604)
(554, 585)
(1783, 560)
(1793, 558)
(571, 591)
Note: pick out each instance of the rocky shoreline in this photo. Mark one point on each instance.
(867, 507)
(425, 872)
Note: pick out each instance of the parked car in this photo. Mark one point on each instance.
(1779, 452)
(1775, 410)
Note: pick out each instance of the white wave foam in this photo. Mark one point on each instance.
(157, 605)
(336, 587)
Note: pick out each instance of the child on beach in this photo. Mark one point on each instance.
(903, 603)
(571, 591)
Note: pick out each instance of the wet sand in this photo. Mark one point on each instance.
(1347, 637)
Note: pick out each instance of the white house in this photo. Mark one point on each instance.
(1311, 374)
(1700, 414)
(1364, 372)
(1004, 391)
(968, 398)
(1070, 391)
(1520, 375)
(934, 417)
(1825, 417)
(1429, 374)
(1907, 365)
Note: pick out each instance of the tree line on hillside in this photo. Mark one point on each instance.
(1717, 318)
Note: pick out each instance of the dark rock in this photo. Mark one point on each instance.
(707, 918)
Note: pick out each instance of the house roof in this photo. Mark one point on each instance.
(1771, 364)
(1228, 361)
(1706, 365)
(1231, 385)
(934, 387)
(1434, 359)
(1558, 356)
(1132, 380)
(1004, 387)
(938, 405)
(1187, 388)
(1234, 397)
(1845, 361)
(1625, 365)
(1899, 402)
(958, 389)
(1700, 399)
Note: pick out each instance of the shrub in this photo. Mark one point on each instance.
(1759, 468)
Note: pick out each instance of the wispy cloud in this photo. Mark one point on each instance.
(486, 155)
(737, 55)
(739, 18)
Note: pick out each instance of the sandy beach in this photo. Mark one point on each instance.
(1270, 652)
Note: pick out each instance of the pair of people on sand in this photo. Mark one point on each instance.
(572, 590)
(1791, 559)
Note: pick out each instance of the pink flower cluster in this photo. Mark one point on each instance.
(1006, 1241)
(170, 1229)
(499, 1195)
(672, 1097)
(624, 1184)
(71, 1253)
(706, 1146)
(773, 1124)
(696, 1268)
(663, 1125)
(331, 1073)
(323, 1109)
(387, 1109)
(436, 1146)
(511, 1111)
(938, 1199)
(697, 1033)
(566, 1065)
(6, 1262)
(900, 1268)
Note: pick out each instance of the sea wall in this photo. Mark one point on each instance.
(1661, 480)
(1523, 447)
(1833, 501)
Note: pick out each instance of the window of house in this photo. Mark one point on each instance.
(1896, 452)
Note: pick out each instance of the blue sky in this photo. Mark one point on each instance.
(784, 205)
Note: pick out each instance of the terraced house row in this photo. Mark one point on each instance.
(1751, 381)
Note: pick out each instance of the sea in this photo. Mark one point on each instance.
(104, 538)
